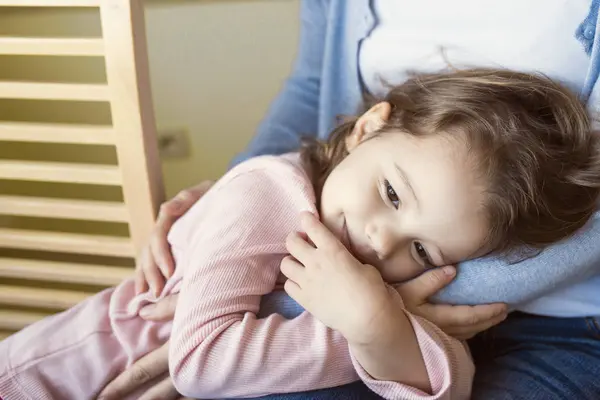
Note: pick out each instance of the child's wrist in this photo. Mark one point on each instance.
(383, 326)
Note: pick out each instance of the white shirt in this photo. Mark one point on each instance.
(427, 36)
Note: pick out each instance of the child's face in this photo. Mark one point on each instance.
(400, 202)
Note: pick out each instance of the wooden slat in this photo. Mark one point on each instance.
(51, 46)
(127, 72)
(57, 133)
(66, 242)
(40, 298)
(87, 274)
(63, 208)
(60, 172)
(50, 3)
(16, 320)
(53, 91)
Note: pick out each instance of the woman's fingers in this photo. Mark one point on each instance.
(162, 390)
(144, 370)
(449, 317)
(464, 333)
(156, 263)
(152, 275)
(418, 290)
(160, 248)
(458, 321)
(140, 279)
(162, 310)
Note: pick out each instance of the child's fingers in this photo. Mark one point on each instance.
(299, 248)
(294, 291)
(293, 270)
(317, 232)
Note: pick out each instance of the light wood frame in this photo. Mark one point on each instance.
(138, 173)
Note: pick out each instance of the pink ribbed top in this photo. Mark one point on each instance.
(228, 248)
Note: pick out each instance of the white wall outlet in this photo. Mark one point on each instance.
(174, 143)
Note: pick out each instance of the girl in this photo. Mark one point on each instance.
(447, 168)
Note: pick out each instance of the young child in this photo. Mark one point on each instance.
(446, 168)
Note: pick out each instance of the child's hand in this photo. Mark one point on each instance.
(331, 284)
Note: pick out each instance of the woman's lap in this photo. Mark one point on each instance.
(531, 357)
(525, 357)
(351, 391)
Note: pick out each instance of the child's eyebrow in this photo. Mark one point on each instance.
(406, 181)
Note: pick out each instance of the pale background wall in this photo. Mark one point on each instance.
(215, 66)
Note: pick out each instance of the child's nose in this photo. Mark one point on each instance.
(383, 239)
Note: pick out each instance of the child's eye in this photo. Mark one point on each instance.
(391, 194)
(422, 253)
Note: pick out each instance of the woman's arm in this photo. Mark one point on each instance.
(294, 112)
(219, 348)
(492, 279)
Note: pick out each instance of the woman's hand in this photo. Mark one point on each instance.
(328, 281)
(153, 367)
(461, 322)
(162, 310)
(155, 263)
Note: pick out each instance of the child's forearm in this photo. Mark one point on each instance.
(249, 357)
(393, 353)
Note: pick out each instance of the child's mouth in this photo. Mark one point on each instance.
(352, 248)
(362, 253)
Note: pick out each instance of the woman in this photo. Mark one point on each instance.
(550, 348)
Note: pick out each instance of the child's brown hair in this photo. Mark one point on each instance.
(531, 137)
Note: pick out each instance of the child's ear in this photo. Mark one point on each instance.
(368, 124)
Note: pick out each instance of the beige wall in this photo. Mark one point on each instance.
(215, 66)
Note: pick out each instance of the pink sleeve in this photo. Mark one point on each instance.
(218, 346)
(447, 360)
